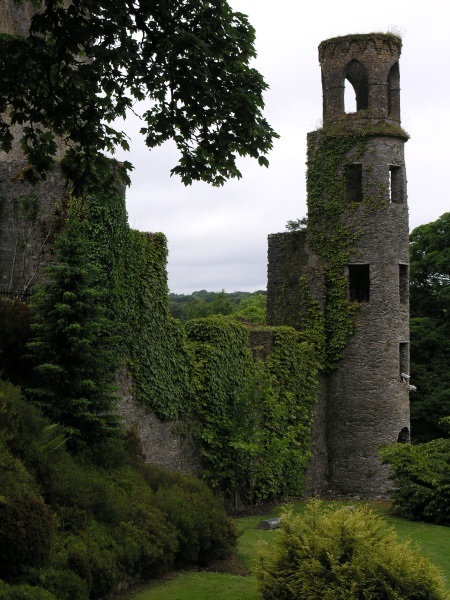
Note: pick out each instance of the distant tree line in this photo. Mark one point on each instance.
(250, 306)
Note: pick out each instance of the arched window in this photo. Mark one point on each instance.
(403, 436)
(394, 91)
(356, 74)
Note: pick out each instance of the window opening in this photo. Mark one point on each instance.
(403, 436)
(356, 74)
(395, 184)
(394, 92)
(359, 283)
(353, 183)
(349, 98)
(404, 361)
(403, 276)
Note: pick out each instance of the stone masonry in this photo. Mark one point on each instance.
(364, 402)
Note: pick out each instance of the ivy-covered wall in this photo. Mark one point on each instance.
(200, 398)
(133, 266)
(253, 416)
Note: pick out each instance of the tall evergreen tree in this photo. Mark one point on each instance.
(74, 348)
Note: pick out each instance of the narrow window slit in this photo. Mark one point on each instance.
(395, 184)
(353, 183)
(403, 275)
(359, 283)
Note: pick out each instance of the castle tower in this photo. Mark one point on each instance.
(29, 215)
(367, 393)
(354, 256)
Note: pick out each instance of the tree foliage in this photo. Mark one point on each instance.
(200, 304)
(85, 63)
(421, 476)
(430, 327)
(338, 553)
(74, 346)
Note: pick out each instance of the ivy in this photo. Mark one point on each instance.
(133, 268)
(328, 235)
(254, 418)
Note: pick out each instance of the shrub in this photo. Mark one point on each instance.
(147, 541)
(421, 476)
(15, 479)
(102, 553)
(27, 530)
(24, 592)
(26, 433)
(344, 554)
(204, 532)
(64, 584)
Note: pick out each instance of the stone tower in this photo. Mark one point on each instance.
(29, 215)
(354, 256)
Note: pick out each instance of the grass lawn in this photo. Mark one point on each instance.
(433, 540)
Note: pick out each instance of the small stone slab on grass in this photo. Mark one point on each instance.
(270, 523)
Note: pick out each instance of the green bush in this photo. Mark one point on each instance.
(204, 532)
(345, 553)
(14, 478)
(26, 433)
(27, 529)
(147, 541)
(24, 592)
(117, 519)
(421, 477)
(64, 584)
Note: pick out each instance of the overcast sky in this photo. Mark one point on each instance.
(218, 237)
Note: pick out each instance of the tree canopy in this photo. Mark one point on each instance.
(85, 63)
(430, 327)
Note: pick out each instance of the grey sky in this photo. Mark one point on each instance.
(218, 237)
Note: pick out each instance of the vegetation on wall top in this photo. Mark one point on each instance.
(391, 39)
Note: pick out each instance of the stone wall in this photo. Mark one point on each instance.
(289, 260)
(30, 216)
(167, 444)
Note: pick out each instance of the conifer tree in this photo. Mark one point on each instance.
(74, 348)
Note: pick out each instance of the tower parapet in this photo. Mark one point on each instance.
(370, 64)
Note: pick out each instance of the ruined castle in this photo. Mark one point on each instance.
(344, 277)
(357, 208)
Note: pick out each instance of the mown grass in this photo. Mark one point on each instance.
(433, 540)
